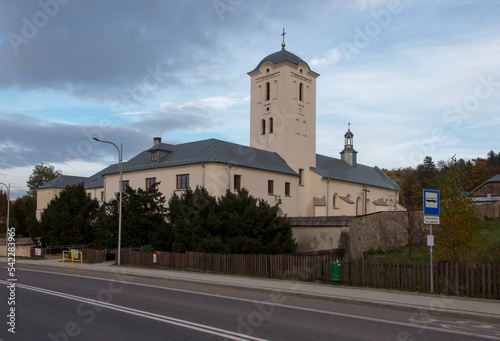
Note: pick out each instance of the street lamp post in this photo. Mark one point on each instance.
(120, 163)
(8, 215)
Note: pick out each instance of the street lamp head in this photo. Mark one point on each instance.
(95, 138)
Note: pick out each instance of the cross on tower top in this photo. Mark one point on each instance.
(283, 35)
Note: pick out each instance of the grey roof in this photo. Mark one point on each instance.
(281, 56)
(496, 178)
(336, 169)
(206, 151)
(486, 199)
(97, 180)
(94, 181)
(62, 181)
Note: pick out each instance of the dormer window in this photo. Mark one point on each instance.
(154, 156)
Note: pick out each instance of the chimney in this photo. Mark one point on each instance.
(157, 140)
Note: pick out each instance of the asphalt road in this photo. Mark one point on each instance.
(71, 304)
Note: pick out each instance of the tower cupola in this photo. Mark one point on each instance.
(349, 154)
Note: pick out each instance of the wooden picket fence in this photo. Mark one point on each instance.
(91, 255)
(449, 278)
(481, 280)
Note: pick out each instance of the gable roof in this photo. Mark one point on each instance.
(496, 178)
(336, 169)
(97, 180)
(206, 151)
(62, 181)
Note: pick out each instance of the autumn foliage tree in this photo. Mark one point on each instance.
(459, 224)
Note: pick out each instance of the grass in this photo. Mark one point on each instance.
(487, 253)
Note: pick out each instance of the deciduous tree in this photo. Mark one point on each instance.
(40, 176)
(458, 229)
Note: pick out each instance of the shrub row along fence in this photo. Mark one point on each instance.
(449, 278)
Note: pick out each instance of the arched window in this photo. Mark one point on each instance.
(259, 94)
(275, 90)
(271, 125)
(297, 127)
(308, 94)
(263, 127)
(294, 90)
(358, 206)
(301, 90)
(334, 200)
(304, 128)
(268, 91)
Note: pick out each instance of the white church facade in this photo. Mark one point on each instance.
(280, 165)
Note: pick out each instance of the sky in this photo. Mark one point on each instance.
(413, 78)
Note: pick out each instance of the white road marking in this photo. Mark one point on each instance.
(145, 314)
(365, 318)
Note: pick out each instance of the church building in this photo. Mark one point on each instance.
(280, 165)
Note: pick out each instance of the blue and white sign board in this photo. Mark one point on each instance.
(431, 206)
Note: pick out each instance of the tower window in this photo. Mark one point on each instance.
(301, 90)
(263, 126)
(268, 91)
(271, 125)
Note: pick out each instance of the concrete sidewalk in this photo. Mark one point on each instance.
(423, 303)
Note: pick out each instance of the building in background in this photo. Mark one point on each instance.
(280, 165)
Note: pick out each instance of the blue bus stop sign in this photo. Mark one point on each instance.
(431, 202)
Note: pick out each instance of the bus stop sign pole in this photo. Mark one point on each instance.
(431, 217)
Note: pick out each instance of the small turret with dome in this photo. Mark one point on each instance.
(349, 154)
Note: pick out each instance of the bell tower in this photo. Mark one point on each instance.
(283, 108)
(349, 154)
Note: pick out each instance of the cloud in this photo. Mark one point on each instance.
(26, 141)
(331, 57)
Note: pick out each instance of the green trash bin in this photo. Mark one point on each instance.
(335, 273)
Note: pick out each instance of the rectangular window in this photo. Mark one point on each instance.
(150, 182)
(237, 182)
(102, 195)
(182, 181)
(270, 186)
(287, 188)
(301, 177)
(125, 184)
(154, 156)
(90, 195)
